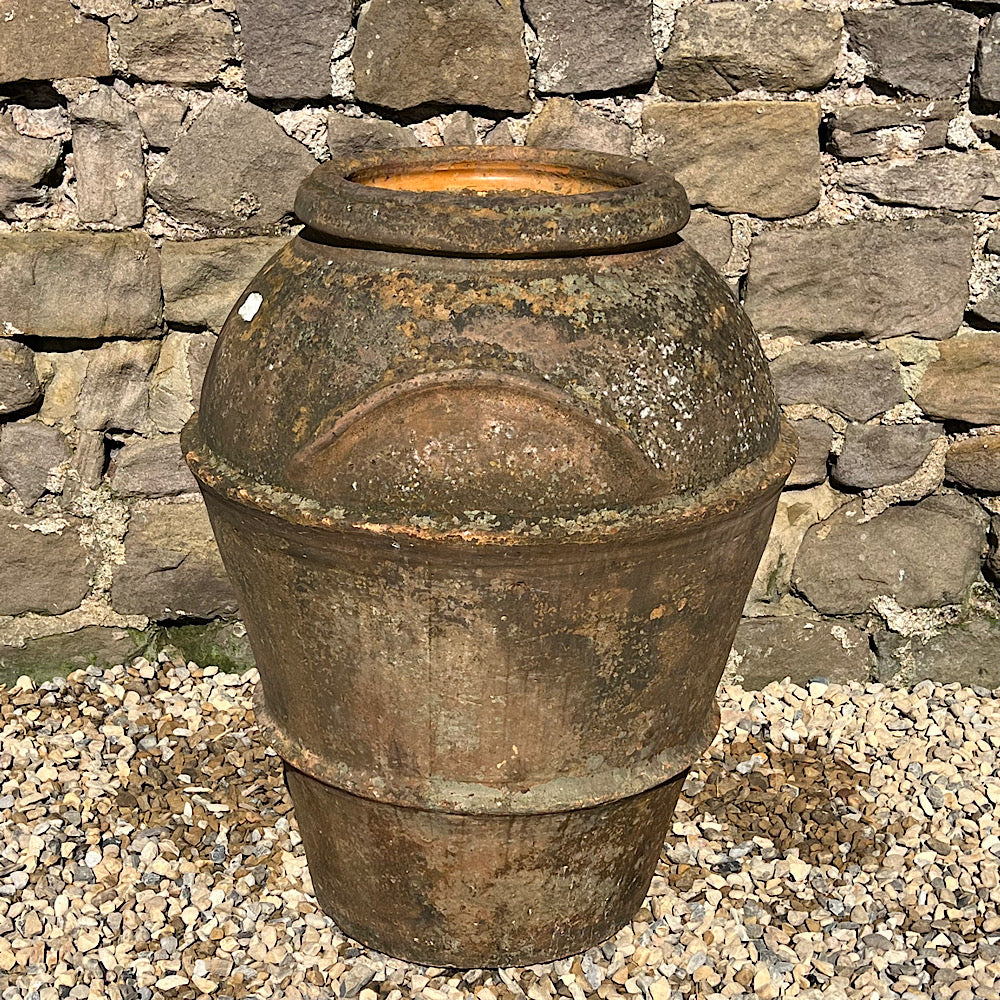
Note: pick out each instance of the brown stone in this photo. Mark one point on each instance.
(115, 392)
(815, 440)
(964, 384)
(30, 451)
(50, 40)
(45, 568)
(880, 454)
(152, 467)
(464, 52)
(176, 44)
(758, 157)
(19, 387)
(160, 116)
(172, 567)
(975, 463)
(564, 124)
(861, 130)
(177, 378)
(96, 284)
(711, 236)
(346, 136)
(25, 162)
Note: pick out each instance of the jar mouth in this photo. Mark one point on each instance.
(497, 201)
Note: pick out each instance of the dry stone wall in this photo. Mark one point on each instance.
(843, 161)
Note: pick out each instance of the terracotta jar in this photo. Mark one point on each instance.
(491, 455)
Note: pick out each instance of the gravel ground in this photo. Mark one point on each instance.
(837, 842)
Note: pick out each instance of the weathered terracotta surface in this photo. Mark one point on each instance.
(492, 508)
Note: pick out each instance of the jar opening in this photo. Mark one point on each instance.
(483, 178)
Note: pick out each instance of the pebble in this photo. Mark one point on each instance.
(836, 840)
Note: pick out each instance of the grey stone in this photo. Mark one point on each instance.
(152, 467)
(177, 378)
(801, 648)
(222, 644)
(499, 135)
(57, 655)
(452, 52)
(95, 284)
(459, 129)
(986, 78)
(176, 44)
(987, 307)
(815, 442)
(45, 567)
(924, 555)
(49, 40)
(563, 124)
(347, 136)
(107, 159)
(986, 128)
(172, 567)
(758, 157)
(711, 236)
(862, 130)
(858, 383)
(234, 168)
(89, 459)
(959, 182)
(964, 383)
(993, 242)
(30, 452)
(19, 386)
(24, 164)
(975, 463)
(992, 567)
(967, 653)
(718, 49)
(115, 391)
(288, 44)
(202, 280)
(160, 116)
(572, 60)
(881, 454)
(862, 279)
(924, 50)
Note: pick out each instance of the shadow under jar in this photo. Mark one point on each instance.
(491, 455)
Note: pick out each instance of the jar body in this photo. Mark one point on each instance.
(492, 525)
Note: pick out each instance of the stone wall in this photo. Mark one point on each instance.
(842, 158)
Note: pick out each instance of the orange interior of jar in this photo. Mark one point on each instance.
(490, 178)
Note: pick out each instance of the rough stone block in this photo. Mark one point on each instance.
(563, 124)
(152, 467)
(863, 279)
(711, 236)
(967, 653)
(959, 182)
(802, 648)
(718, 49)
(347, 136)
(19, 386)
(975, 463)
(107, 158)
(203, 280)
(924, 555)
(964, 384)
(815, 441)
(177, 378)
(234, 169)
(881, 454)
(798, 510)
(24, 163)
(160, 116)
(452, 52)
(221, 644)
(924, 50)
(758, 157)
(96, 284)
(175, 44)
(573, 60)
(172, 567)
(862, 130)
(57, 655)
(30, 451)
(288, 44)
(986, 79)
(46, 565)
(858, 383)
(459, 129)
(50, 40)
(114, 395)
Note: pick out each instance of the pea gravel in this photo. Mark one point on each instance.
(840, 841)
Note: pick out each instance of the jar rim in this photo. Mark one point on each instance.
(492, 201)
